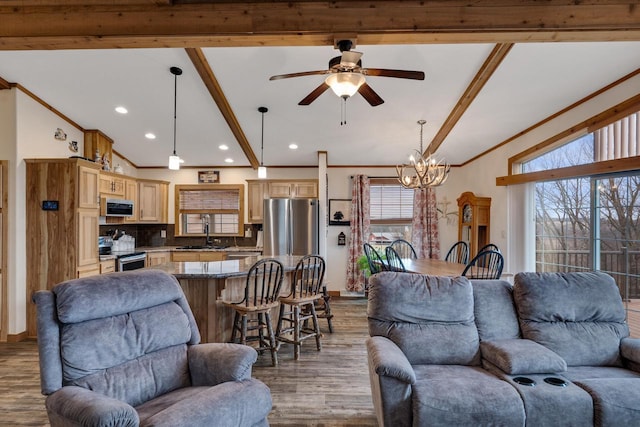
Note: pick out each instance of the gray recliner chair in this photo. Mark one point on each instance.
(122, 349)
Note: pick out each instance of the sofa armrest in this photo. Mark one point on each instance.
(215, 363)
(389, 361)
(72, 405)
(630, 351)
(522, 356)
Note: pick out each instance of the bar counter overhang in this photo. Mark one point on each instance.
(207, 284)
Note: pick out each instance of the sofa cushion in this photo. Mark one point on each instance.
(579, 316)
(615, 400)
(495, 313)
(520, 356)
(230, 404)
(464, 396)
(430, 318)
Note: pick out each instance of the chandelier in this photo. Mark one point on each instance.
(421, 171)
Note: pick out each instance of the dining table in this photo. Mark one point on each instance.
(433, 267)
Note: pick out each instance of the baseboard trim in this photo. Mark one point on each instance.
(22, 336)
(334, 293)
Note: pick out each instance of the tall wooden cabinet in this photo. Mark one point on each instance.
(152, 201)
(474, 220)
(62, 207)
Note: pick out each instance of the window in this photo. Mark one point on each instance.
(219, 206)
(391, 212)
(593, 222)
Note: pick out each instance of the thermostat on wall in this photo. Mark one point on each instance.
(49, 205)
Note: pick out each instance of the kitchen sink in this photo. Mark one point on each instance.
(201, 247)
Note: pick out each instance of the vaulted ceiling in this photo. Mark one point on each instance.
(491, 70)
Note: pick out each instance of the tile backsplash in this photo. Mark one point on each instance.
(151, 235)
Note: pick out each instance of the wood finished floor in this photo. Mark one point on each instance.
(329, 388)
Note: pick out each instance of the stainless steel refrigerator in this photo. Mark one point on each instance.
(290, 227)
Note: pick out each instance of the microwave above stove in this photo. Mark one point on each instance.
(116, 207)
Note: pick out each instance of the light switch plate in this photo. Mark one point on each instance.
(163, 234)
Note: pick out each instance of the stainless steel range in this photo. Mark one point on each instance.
(131, 261)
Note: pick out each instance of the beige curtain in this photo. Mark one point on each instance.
(359, 228)
(424, 227)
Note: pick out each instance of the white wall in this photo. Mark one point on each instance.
(34, 138)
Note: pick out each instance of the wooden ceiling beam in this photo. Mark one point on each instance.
(4, 84)
(209, 79)
(31, 24)
(483, 75)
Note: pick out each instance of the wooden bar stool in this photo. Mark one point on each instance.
(253, 313)
(323, 308)
(306, 290)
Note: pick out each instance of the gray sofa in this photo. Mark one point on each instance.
(122, 349)
(551, 350)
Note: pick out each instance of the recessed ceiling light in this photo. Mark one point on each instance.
(120, 109)
(293, 146)
(223, 147)
(150, 135)
(228, 160)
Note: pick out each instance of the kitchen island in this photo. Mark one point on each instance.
(207, 284)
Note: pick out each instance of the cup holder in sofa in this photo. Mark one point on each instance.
(525, 381)
(559, 382)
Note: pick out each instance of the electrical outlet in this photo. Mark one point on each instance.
(248, 233)
(163, 234)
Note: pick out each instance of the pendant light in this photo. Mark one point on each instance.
(262, 169)
(174, 160)
(422, 171)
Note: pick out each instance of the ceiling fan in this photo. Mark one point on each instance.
(346, 76)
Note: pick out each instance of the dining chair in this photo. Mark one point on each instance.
(393, 260)
(485, 265)
(404, 249)
(253, 312)
(306, 291)
(459, 253)
(489, 247)
(376, 263)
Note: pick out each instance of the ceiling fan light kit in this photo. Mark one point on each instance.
(345, 84)
(346, 76)
(262, 169)
(174, 160)
(421, 171)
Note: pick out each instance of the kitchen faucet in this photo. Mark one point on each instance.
(207, 220)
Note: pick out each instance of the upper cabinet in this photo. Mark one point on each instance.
(97, 144)
(111, 185)
(131, 193)
(152, 201)
(276, 189)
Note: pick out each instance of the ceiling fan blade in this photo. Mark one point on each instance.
(400, 74)
(314, 94)
(370, 95)
(350, 58)
(301, 74)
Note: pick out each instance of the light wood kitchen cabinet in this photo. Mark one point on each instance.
(256, 200)
(131, 193)
(152, 201)
(62, 224)
(108, 266)
(88, 197)
(275, 189)
(87, 240)
(187, 256)
(94, 140)
(111, 185)
(157, 258)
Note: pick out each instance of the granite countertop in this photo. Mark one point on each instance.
(221, 269)
(194, 249)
